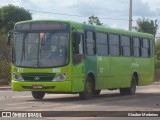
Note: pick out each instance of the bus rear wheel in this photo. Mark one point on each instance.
(131, 90)
(88, 90)
(38, 95)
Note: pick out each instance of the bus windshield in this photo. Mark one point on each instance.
(41, 49)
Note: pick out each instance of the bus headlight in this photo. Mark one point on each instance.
(18, 77)
(61, 77)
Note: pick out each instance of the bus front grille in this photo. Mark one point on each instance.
(38, 77)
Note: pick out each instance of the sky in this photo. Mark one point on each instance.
(112, 13)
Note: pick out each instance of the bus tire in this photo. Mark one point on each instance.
(38, 95)
(88, 90)
(96, 92)
(131, 90)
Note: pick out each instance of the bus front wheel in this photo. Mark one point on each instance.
(38, 95)
(88, 90)
(131, 90)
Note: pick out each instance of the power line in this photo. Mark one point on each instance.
(74, 15)
(56, 13)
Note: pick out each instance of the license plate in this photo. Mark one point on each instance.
(37, 87)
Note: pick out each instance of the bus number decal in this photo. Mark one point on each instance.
(20, 70)
(99, 58)
(135, 65)
(56, 70)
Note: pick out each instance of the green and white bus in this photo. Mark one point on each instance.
(54, 56)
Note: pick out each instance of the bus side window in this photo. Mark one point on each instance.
(136, 47)
(77, 47)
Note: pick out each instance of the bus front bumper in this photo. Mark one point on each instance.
(42, 86)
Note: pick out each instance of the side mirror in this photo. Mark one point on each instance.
(77, 38)
(78, 58)
(8, 38)
(76, 41)
(77, 48)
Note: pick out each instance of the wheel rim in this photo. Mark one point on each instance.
(133, 86)
(88, 88)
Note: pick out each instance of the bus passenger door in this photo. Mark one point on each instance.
(78, 62)
(103, 72)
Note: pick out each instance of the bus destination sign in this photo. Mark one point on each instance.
(41, 26)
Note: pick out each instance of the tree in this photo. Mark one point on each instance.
(11, 14)
(0, 19)
(158, 49)
(147, 26)
(94, 20)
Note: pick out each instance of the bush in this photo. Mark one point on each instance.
(157, 65)
(157, 74)
(157, 70)
(5, 71)
(5, 60)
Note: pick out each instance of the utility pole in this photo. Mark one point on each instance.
(130, 16)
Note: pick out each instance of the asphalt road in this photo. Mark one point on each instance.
(146, 99)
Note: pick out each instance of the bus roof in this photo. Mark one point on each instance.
(97, 28)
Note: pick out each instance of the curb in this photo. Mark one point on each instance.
(5, 88)
(156, 83)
